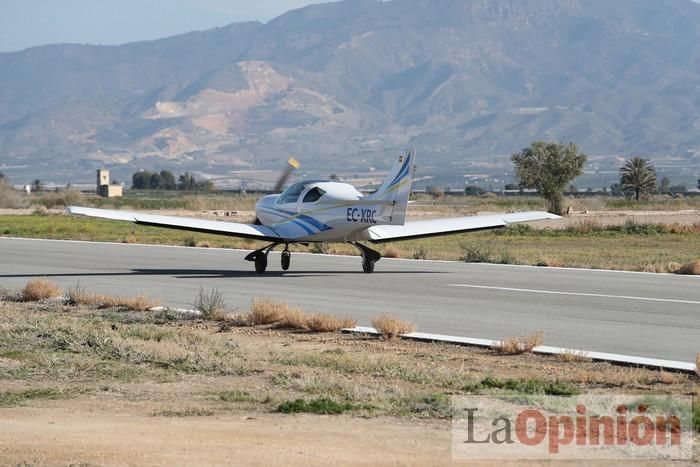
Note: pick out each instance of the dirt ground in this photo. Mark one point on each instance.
(85, 432)
(84, 386)
(104, 432)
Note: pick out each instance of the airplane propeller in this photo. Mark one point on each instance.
(292, 165)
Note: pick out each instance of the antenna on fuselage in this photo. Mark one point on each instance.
(292, 165)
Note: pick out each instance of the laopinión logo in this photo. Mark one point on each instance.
(578, 427)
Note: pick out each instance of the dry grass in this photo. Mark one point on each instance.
(515, 345)
(391, 252)
(137, 303)
(59, 199)
(266, 311)
(586, 226)
(391, 327)
(551, 262)
(292, 318)
(78, 296)
(40, 289)
(11, 198)
(210, 304)
(692, 268)
(328, 323)
(130, 238)
(569, 355)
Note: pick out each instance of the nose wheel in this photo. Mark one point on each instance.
(286, 258)
(259, 257)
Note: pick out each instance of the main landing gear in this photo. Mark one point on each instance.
(260, 257)
(369, 257)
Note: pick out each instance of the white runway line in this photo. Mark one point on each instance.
(647, 362)
(580, 294)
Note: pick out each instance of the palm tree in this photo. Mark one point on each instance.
(638, 176)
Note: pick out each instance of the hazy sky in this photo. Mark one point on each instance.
(26, 23)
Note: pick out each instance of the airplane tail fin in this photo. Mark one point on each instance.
(397, 187)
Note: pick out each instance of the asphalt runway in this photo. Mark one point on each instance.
(650, 315)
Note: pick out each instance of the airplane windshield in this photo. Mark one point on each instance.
(291, 194)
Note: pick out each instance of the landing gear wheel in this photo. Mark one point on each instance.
(369, 257)
(368, 265)
(260, 263)
(286, 259)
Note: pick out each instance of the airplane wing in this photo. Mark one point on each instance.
(436, 227)
(232, 229)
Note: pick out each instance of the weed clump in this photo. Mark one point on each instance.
(391, 252)
(327, 323)
(40, 289)
(79, 296)
(317, 406)
(391, 327)
(525, 386)
(266, 311)
(692, 268)
(210, 304)
(515, 345)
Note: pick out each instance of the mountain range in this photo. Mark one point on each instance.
(341, 85)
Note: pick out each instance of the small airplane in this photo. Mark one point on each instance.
(325, 211)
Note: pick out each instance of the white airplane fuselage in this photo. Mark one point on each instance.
(339, 215)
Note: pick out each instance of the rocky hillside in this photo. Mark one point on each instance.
(343, 83)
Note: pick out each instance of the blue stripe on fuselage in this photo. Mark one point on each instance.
(316, 223)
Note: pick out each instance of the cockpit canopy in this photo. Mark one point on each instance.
(313, 190)
(292, 193)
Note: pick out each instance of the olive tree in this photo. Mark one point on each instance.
(549, 168)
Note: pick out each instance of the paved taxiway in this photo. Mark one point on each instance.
(654, 315)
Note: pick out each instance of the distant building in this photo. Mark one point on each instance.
(106, 189)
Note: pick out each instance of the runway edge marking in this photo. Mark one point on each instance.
(655, 363)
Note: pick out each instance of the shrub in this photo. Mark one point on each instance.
(292, 318)
(11, 198)
(391, 252)
(633, 228)
(519, 344)
(266, 311)
(137, 303)
(60, 199)
(40, 289)
(692, 268)
(210, 304)
(317, 406)
(420, 253)
(697, 364)
(79, 296)
(477, 255)
(328, 323)
(390, 327)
